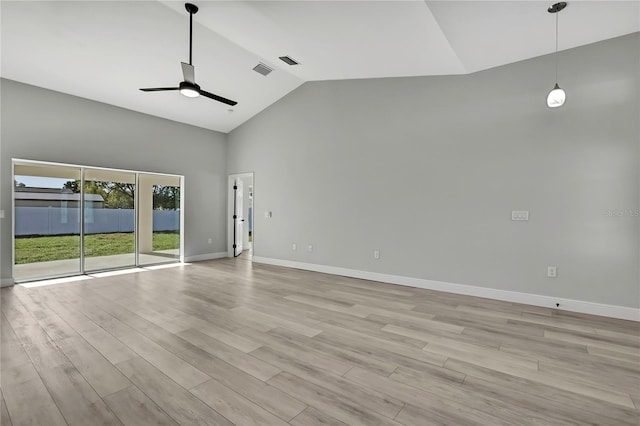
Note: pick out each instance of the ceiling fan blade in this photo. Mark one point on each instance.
(189, 73)
(218, 98)
(159, 89)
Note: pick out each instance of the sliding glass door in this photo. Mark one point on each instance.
(158, 218)
(70, 220)
(46, 221)
(109, 219)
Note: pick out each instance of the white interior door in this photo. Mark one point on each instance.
(238, 218)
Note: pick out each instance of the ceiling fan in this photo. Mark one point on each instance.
(188, 87)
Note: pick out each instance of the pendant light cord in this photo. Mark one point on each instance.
(556, 55)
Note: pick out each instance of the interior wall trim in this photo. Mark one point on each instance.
(584, 307)
(206, 256)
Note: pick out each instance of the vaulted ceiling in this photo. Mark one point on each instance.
(107, 50)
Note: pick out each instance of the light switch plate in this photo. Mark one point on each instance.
(520, 215)
(1, 214)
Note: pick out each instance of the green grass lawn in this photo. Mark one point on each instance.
(61, 247)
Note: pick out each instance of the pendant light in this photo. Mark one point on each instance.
(557, 96)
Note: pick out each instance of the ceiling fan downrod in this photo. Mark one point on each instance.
(192, 9)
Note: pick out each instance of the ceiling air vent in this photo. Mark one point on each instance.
(288, 60)
(262, 69)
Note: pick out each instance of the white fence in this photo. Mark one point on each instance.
(64, 221)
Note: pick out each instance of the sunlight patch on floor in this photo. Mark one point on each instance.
(105, 274)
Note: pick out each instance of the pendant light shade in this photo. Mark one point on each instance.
(556, 96)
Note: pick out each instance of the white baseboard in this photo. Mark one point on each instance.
(6, 282)
(613, 311)
(206, 256)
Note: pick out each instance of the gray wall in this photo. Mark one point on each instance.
(39, 124)
(428, 169)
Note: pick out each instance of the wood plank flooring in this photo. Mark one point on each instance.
(226, 342)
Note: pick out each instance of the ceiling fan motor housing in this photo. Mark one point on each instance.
(190, 90)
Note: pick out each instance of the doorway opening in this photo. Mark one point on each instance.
(241, 235)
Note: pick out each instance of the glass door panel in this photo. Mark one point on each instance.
(109, 219)
(47, 221)
(158, 219)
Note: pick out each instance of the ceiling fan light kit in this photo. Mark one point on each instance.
(557, 96)
(188, 87)
(189, 90)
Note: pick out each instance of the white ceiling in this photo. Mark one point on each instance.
(106, 50)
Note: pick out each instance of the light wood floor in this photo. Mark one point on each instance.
(227, 342)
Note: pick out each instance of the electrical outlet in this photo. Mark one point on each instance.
(310, 248)
(210, 240)
(376, 254)
(552, 271)
(294, 247)
(1, 214)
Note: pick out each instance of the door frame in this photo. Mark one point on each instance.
(230, 183)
